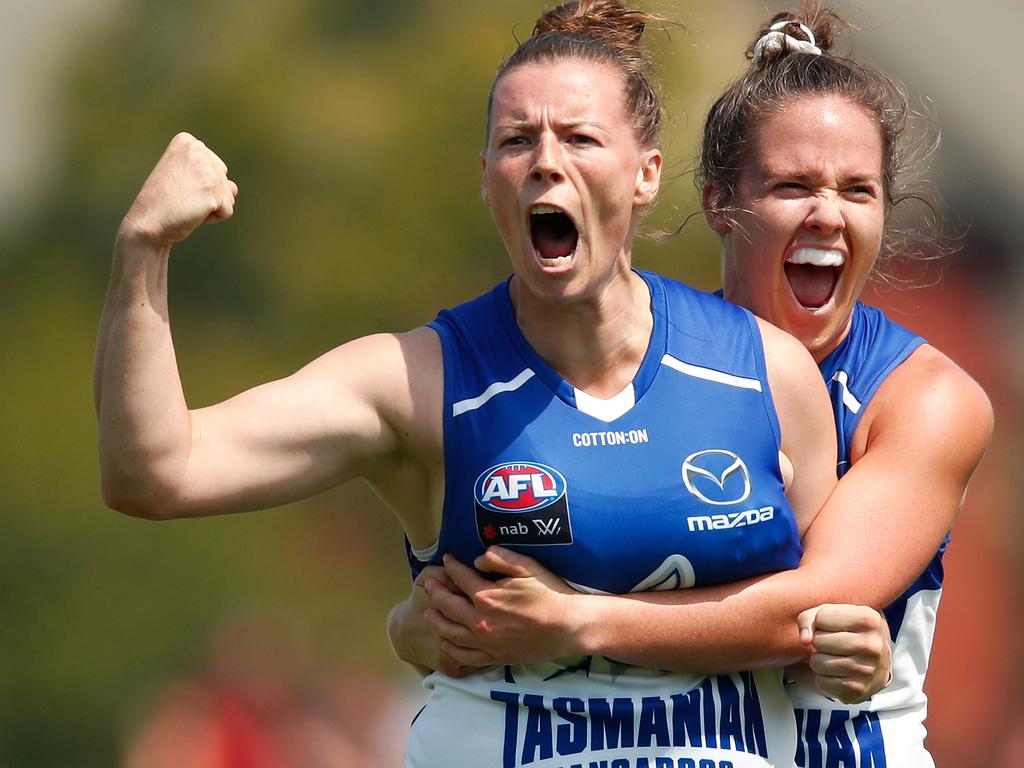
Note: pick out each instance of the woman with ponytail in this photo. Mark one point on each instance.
(803, 161)
(581, 466)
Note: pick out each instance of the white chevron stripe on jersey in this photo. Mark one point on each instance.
(851, 402)
(709, 374)
(498, 387)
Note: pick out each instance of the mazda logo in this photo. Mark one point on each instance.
(716, 477)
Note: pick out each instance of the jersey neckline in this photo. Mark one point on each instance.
(564, 390)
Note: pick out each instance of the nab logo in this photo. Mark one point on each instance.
(519, 487)
(522, 503)
(716, 477)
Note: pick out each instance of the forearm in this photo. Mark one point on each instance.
(145, 431)
(710, 630)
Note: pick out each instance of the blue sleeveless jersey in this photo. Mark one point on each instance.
(888, 730)
(681, 489)
(674, 483)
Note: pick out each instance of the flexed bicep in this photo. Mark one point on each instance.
(342, 416)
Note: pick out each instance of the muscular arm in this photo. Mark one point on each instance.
(348, 413)
(927, 430)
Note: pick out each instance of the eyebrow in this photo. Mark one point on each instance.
(561, 126)
(774, 173)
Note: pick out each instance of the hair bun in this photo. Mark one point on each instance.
(784, 37)
(605, 20)
(811, 29)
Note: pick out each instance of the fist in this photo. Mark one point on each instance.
(852, 657)
(188, 186)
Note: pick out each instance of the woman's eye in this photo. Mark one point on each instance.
(581, 139)
(512, 141)
(861, 192)
(790, 187)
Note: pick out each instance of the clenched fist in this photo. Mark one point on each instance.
(188, 186)
(852, 656)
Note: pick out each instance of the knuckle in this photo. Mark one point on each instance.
(440, 602)
(871, 646)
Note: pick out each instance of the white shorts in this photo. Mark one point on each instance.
(593, 712)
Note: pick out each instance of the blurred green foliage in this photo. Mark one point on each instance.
(353, 130)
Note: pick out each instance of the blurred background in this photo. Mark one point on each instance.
(353, 128)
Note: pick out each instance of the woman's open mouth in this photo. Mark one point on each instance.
(553, 234)
(813, 274)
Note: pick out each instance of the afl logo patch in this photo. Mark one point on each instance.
(716, 477)
(522, 503)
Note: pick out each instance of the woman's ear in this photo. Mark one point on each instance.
(714, 205)
(648, 178)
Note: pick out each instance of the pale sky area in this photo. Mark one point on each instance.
(32, 36)
(964, 57)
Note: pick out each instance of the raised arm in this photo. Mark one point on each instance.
(355, 411)
(144, 421)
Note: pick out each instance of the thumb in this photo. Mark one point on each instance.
(805, 623)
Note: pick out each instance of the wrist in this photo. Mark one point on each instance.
(133, 238)
(587, 626)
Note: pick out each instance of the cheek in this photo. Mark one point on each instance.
(500, 173)
(772, 221)
(870, 230)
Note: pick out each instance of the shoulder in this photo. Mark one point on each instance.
(381, 358)
(931, 400)
(797, 390)
(703, 312)
(786, 358)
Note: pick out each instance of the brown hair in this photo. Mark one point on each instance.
(603, 31)
(778, 77)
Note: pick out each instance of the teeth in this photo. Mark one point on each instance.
(561, 260)
(817, 257)
(545, 209)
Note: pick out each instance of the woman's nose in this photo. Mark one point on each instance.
(547, 160)
(825, 216)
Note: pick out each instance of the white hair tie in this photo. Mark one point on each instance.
(775, 40)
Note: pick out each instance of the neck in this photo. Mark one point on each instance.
(820, 349)
(596, 344)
